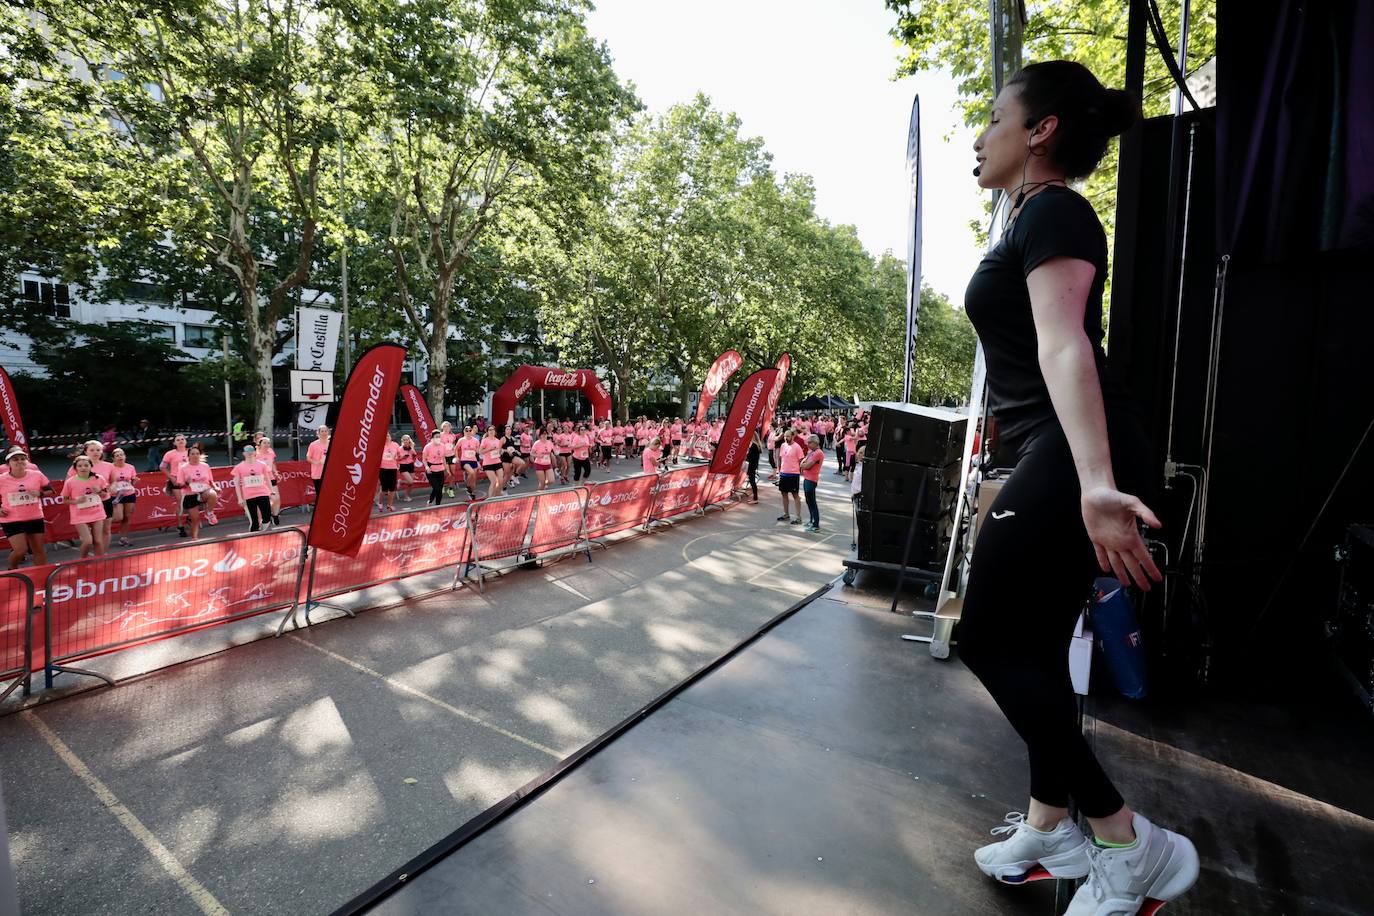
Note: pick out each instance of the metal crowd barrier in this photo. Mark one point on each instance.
(395, 546)
(502, 535)
(103, 604)
(16, 634)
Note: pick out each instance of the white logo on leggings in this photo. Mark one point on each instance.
(1005, 513)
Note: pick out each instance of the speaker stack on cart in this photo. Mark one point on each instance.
(1352, 630)
(909, 446)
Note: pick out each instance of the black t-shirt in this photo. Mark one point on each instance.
(1056, 222)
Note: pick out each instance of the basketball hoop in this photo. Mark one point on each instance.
(312, 387)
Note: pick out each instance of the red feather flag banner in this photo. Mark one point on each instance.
(746, 415)
(420, 417)
(784, 366)
(719, 373)
(355, 452)
(9, 413)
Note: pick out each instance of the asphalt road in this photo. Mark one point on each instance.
(286, 775)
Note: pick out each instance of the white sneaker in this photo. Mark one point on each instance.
(1034, 855)
(1159, 867)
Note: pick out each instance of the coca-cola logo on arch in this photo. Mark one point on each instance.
(562, 379)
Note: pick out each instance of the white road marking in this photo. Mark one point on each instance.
(788, 559)
(416, 692)
(194, 889)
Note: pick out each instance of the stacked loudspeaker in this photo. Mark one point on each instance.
(909, 445)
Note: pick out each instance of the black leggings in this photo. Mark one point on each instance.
(1033, 572)
(754, 478)
(436, 487)
(582, 467)
(259, 510)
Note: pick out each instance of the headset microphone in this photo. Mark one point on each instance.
(978, 170)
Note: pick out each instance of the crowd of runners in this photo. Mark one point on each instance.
(480, 460)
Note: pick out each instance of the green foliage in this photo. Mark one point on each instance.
(114, 373)
(953, 35)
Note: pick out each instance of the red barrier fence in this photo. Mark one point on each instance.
(101, 604)
(16, 634)
(619, 505)
(394, 546)
(499, 526)
(677, 492)
(559, 517)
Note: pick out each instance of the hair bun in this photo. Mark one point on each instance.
(1120, 111)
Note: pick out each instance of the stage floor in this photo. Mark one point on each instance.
(831, 767)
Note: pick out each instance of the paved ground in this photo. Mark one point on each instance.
(286, 775)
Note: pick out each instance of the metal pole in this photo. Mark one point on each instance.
(228, 409)
(1183, 25)
(343, 265)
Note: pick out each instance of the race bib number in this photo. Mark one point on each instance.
(122, 486)
(88, 501)
(20, 499)
(252, 480)
(199, 486)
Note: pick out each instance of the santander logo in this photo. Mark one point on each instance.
(230, 562)
(355, 473)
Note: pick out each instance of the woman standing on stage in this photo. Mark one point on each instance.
(1068, 511)
(21, 508)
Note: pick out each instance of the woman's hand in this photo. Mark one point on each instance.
(1110, 517)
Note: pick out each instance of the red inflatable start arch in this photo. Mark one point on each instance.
(529, 378)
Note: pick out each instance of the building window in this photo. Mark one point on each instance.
(49, 298)
(199, 335)
(140, 291)
(157, 331)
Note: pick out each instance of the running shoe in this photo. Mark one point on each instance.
(1028, 854)
(182, 532)
(795, 521)
(783, 518)
(211, 518)
(125, 542)
(1160, 866)
(276, 521)
(810, 527)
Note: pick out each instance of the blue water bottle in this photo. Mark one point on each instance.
(1118, 637)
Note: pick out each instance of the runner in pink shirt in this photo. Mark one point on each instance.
(84, 493)
(653, 456)
(466, 448)
(268, 456)
(21, 508)
(95, 450)
(541, 459)
(407, 467)
(581, 442)
(433, 457)
(123, 481)
(195, 487)
(315, 454)
(448, 439)
(489, 454)
(170, 462)
(390, 470)
(562, 443)
(253, 487)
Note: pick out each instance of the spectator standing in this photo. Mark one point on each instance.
(811, 465)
